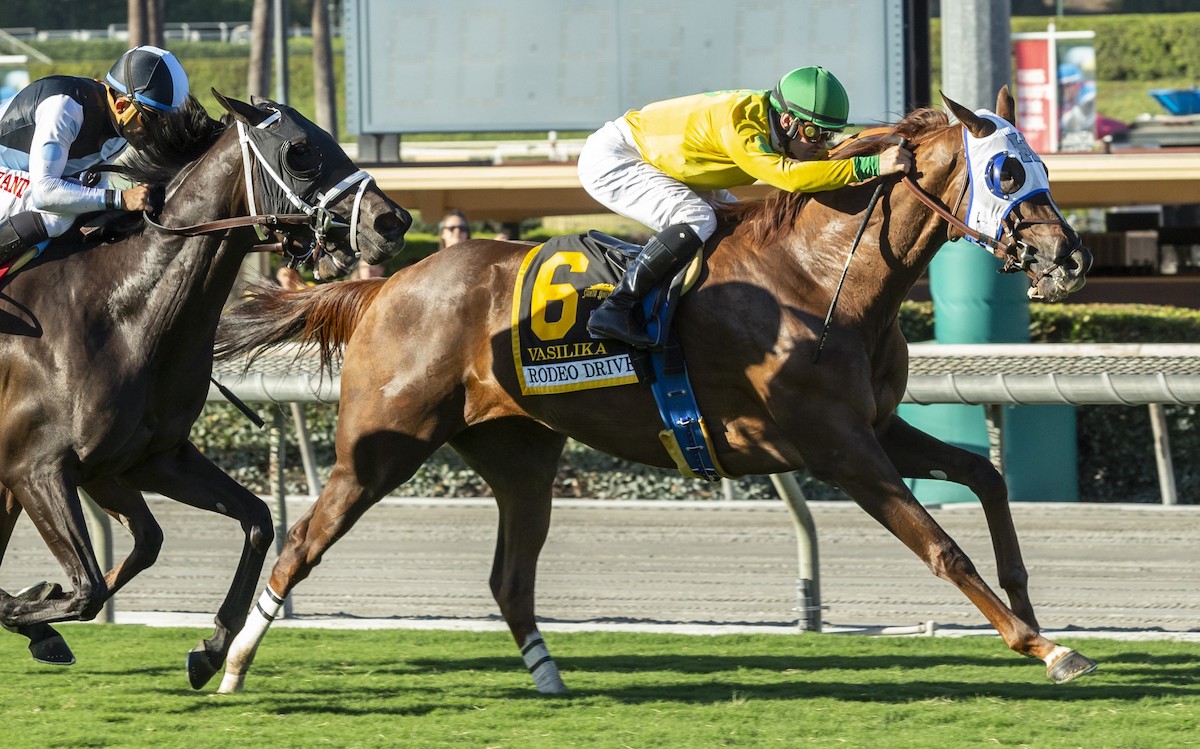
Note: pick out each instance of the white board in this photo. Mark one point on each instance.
(487, 65)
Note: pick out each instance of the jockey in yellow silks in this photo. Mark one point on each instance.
(667, 165)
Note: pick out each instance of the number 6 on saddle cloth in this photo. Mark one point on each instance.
(559, 285)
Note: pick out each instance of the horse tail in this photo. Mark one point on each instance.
(323, 317)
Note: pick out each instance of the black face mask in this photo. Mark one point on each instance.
(289, 154)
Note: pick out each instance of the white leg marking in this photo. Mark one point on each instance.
(1055, 654)
(541, 665)
(241, 652)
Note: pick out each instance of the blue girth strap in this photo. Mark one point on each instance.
(685, 436)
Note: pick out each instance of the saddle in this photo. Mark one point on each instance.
(559, 285)
(659, 307)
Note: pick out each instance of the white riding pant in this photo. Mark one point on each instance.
(614, 173)
(16, 196)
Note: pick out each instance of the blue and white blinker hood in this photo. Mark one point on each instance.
(1006, 153)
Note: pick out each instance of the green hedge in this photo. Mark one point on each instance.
(1140, 47)
(209, 65)
(1115, 446)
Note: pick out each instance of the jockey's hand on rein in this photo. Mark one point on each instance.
(895, 160)
(147, 198)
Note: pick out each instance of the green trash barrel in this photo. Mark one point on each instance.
(972, 303)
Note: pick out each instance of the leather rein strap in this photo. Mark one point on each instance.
(937, 207)
(209, 227)
(225, 224)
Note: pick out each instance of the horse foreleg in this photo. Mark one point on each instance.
(46, 645)
(858, 463)
(518, 460)
(341, 504)
(187, 476)
(918, 455)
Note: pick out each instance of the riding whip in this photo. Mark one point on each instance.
(837, 292)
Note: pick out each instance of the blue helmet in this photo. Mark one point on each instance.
(151, 77)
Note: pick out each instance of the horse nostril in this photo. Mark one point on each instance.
(392, 226)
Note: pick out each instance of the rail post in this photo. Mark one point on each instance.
(808, 583)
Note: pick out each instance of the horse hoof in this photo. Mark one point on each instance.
(42, 591)
(200, 666)
(1070, 666)
(53, 651)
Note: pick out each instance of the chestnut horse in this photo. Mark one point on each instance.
(428, 361)
(106, 354)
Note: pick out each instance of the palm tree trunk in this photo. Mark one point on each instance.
(324, 92)
(137, 23)
(155, 20)
(258, 82)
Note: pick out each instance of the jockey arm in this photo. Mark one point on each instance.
(748, 141)
(59, 119)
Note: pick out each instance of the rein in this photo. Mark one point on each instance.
(225, 224)
(1016, 256)
(837, 292)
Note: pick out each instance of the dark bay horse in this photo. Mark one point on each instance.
(106, 352)
(428, 360)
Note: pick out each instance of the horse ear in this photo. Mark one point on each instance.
(1005, 107)
(241, 110)
(976, 126)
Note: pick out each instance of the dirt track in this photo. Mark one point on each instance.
(1091, 566)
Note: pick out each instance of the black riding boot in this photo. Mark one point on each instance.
(20, 232)
(664, 256)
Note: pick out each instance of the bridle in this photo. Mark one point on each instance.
(1017, 255)
(316, 217)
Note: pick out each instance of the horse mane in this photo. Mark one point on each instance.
(176, 140)
(774, 215)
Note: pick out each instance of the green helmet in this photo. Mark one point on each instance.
(813, 95)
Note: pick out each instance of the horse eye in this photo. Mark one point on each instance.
(301, 159)
(1012, 176)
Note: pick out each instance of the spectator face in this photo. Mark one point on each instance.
(454, 230)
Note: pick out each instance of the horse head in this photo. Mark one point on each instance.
(1009, 208)
(291, 164)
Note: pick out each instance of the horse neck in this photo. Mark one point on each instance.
(178, 277)
(903, 236)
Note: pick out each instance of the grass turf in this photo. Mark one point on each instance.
(431, 689)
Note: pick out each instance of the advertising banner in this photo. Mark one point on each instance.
(1056, 89)
(1035, 92)
(1076, 94)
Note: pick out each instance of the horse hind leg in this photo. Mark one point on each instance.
(518, 459)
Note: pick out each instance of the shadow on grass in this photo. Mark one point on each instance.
(880, 679)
